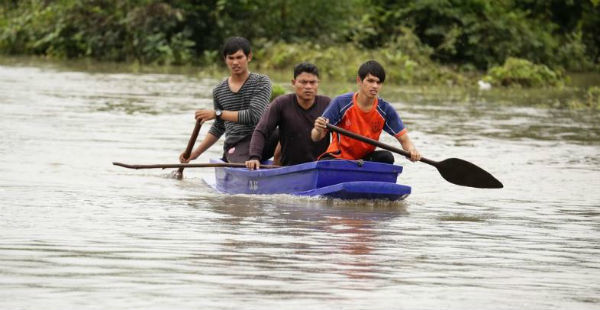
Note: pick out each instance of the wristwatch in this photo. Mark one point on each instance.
(218, 114)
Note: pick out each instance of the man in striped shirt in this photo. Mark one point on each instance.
(239, 102)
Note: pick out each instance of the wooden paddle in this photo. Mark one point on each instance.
(189, 148)
(454, 170)
(181, 166)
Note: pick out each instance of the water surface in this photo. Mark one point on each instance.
(79, 233)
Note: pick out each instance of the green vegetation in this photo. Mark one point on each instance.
(593, 97)
(523, 73)
(591, 100)
(277, 91)
(406, 59)
(444, 42)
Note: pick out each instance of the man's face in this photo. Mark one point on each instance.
(306, 86)
(370, 86)
(238, 62)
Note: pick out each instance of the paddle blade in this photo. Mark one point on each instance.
(462, 172)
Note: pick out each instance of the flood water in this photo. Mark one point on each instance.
(80, 233)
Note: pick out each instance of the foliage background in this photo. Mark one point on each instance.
(424, 41)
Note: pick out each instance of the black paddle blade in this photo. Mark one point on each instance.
(462, 172)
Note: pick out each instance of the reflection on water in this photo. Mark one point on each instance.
(81, 233)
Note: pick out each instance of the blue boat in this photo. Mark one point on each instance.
(342, 179)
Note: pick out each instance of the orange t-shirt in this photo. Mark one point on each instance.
(344, 112)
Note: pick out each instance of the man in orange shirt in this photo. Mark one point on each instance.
(365, 114)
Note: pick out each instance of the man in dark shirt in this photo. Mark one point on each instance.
(295, 115)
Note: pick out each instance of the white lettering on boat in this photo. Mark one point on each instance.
(253, 185)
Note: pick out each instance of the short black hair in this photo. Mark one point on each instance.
(234, 44)
(372, 67)
(305, 67)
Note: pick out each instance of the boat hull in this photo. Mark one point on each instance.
(329, 178)
(361, 190)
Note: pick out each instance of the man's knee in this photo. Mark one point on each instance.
(387, 157)
(381, 156)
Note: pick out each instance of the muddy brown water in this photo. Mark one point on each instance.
(79, 233)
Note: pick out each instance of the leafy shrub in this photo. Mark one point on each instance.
(521, 72)
(408, 34)
(147, 31)
(571, 54)
(485, 33)
(405, 59)
(593, 97)
(277, 90)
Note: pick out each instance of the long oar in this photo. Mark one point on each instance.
(454, 170)
(190, 147)
(181, 166)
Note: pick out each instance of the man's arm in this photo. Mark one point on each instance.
(207, 114)
(251, 115)
(395, 127)
(320, 130)
(258, 103)
(408, 146)
(332, 114)
(267, 124)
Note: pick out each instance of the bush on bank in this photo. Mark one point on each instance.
(405, 59)
(102, 30)
(437, 42)
(521, 72)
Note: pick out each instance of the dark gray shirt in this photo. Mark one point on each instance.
(295, 124)
(250, 102)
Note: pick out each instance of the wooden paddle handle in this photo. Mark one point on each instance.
(190, 145)
(377, 143)
(200, 165)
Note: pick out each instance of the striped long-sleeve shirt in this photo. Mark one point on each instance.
(250, 102)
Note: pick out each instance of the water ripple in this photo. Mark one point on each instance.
(81, 233)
